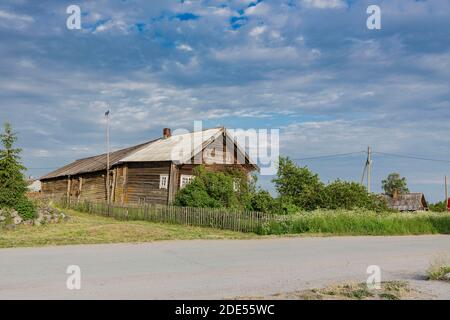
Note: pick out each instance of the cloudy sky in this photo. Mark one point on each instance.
(308, 67)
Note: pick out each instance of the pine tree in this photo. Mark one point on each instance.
(395, 184)
(12, 182)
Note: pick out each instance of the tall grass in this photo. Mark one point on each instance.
(359, 222)
(333, 222)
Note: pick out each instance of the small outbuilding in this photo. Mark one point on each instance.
(411, 202)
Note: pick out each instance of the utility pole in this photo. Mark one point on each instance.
(107, 158)
(369, 168)
(446, 190)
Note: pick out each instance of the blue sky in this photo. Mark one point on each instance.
(308, 67)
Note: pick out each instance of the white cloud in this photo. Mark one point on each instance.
(257, 31)
(184, 47)
(26, 63)
(340, 136)
(258, 53)
(258, 10)
(324, 4)
(14, 21)
(111, 25)
(12, 16)
(334, 89)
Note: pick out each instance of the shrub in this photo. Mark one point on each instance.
(285, 206)
(262, 201)
(301, 189)
(351, 195)
(215, 190)
(299, 184)
(26, 209)
(196, 195)
(438, 207)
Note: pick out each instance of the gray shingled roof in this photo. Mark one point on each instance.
(407, 202)
(177, 148)
(92, 164)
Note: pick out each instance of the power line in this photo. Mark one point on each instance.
(411, 157)
(337, 155)
(330, 156)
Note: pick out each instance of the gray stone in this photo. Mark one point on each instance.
(14, 214)
(45, 214)
(17, 220)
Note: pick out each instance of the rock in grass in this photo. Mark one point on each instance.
(17, 220)
(45, 215)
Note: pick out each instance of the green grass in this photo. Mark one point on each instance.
(83, 228)
(360, 222)
(390, 290)
(439, 268)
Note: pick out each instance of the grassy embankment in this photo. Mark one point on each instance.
(84, 228)
(360, 222)
(323, 222)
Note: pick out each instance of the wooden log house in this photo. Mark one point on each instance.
(151, 172)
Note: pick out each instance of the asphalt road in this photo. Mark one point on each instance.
(209, 269)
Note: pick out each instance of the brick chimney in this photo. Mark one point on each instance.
(395, 194)
(167, 133)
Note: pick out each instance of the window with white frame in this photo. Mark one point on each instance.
(163, 181)
(185, 179)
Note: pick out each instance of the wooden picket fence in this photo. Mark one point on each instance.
(220, 218)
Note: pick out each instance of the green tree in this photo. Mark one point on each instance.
(298, 184)
(13, 186)
(262, 201)
(394, 183)
(346, 195)
(12, 182)
(351, 195)
(438, 207)
(216, 190)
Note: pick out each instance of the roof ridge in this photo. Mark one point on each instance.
(145, 143)
(85, 165)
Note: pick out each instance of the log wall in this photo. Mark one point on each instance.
(143, 182)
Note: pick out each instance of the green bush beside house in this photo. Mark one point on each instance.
(299, 189)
